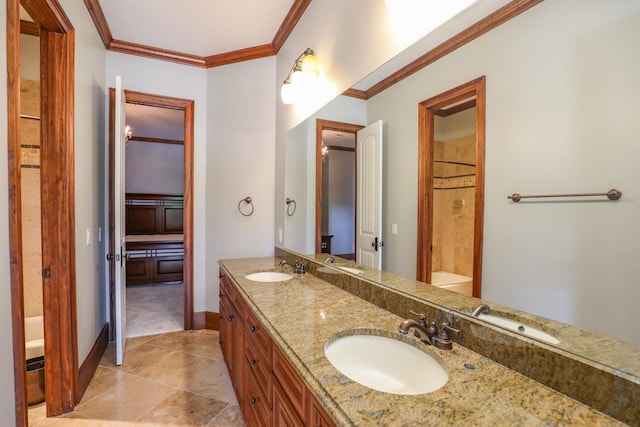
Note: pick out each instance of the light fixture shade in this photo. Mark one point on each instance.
(310, 66)
(288, 93)
(297, 77)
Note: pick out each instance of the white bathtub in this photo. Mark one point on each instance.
(453, 282)
(34, 336)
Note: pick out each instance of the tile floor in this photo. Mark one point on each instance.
(171, 379)
(154, 309)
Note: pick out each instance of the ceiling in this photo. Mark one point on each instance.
(197, 27)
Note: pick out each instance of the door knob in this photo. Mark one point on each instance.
(377, 244)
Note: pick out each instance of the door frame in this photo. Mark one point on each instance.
(321, 125)
(57, 54)
(187, 106)
(427, 110)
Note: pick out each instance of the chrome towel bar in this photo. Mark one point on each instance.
(612, 194)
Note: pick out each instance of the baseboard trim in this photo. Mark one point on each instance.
(92, 361)
(206, 320)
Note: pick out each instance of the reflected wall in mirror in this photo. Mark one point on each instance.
(336, 144)
(573, 262)
(451, 188)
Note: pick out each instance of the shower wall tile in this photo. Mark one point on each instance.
(30, 193)
(454, 225)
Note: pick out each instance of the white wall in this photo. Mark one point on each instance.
(180, 81)
(7, 400)
(561, 117)
(240, 163)
(154, 168)
(90, 92)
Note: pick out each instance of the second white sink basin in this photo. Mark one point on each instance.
(350, 270)
(268, 276)
(519, 327)
(386, 364)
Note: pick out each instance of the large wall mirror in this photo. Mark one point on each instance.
(560, 118)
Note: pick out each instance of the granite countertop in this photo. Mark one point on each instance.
(303, 313)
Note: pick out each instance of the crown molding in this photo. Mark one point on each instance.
(95, 11)
(156, 53)
(255, 52)
(247, 54)
(289, 23)
(355, 93)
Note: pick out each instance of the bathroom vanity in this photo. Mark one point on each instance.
(273, 335)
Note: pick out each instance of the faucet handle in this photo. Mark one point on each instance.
(443, 339)
(300, 267)
(447, 327)
(421, 316)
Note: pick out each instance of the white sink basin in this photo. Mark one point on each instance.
(519, 327)
(386, 364)
(350, 270)
(268, 276)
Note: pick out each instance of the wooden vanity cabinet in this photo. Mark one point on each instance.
(289, 393)
(232, 334)
(257, 373)
(270, 391)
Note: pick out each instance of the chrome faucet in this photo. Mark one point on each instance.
(284, 262)
(300, 267)
(481, 309)
(330, 260)
(422, 331)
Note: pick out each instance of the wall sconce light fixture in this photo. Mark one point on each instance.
(128, 132)
(304, 68)
(324, 151)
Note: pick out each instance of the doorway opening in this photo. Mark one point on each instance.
(57, 204)
(154, 199)
(451, 188)
(159, 211)
(336, 145)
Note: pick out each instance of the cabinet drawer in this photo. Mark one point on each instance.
(317, 416)
(260, 366)
(257, 409)
(290, 381)
(232, 293)
(284, 414)
(258, 335)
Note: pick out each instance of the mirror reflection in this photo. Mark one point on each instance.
(562, 121)
(453, 191)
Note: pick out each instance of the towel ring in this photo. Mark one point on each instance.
(247, 201)
(289, 203)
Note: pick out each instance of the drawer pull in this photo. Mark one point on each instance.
(230, 318)
(254, 361)
(254, 400)
(254, 328)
